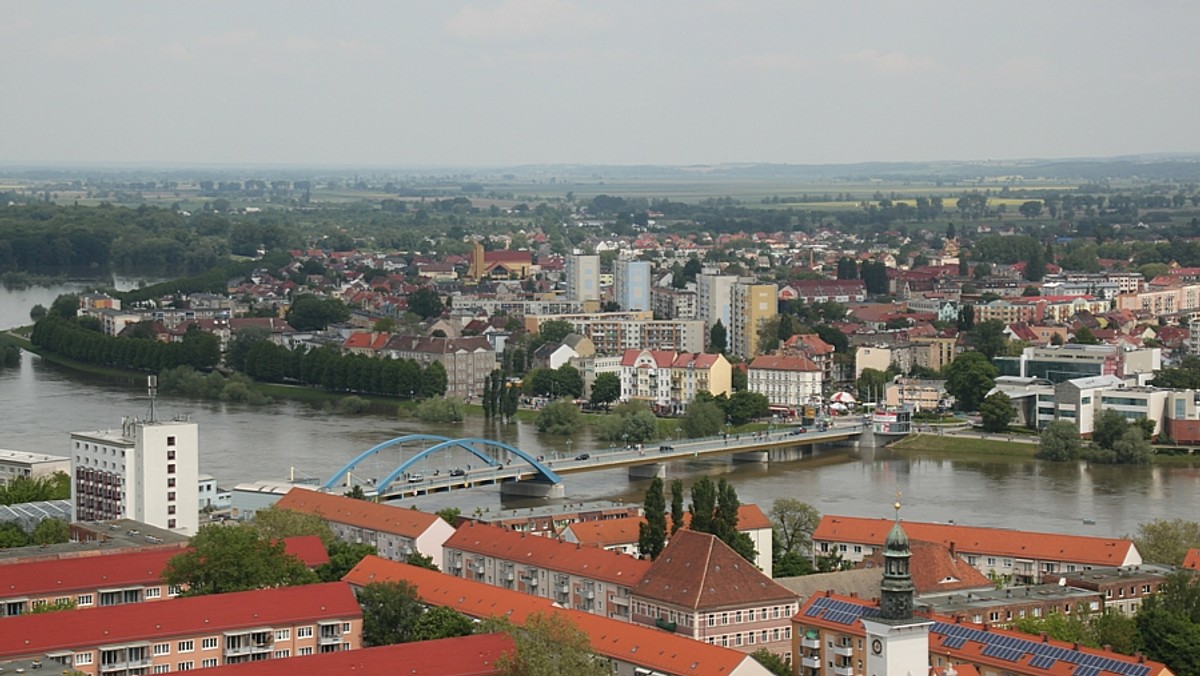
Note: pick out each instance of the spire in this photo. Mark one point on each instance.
(897, 590)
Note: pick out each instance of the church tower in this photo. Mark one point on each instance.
(897, 642)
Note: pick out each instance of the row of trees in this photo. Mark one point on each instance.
(500, 399)
(1115, 440)
(46, 532)
(713, 509)
(36, 489)
(72, 340)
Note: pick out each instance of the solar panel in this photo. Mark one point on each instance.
(954, 642)
(1087, 671)
(1042, 662)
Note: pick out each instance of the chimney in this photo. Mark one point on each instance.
(1045, 638)
(953, 550)
(987, 626)
(1107, 647)
(853, 594)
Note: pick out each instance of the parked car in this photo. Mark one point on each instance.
(665, 447)
(584, 456)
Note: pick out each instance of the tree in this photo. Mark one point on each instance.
(420, 560)
(652, 533)
(343, 556)
(1169, 623)
(739, 380)
(434, 380)
(234, 558)
(276, 523)
(1167, 541)
(65, 306)
(1108, 427)
(1133, 448)
(605, 389)
(791, 564)
(555, 330)
(997, 412)
(12, 535)
(568, 381)
(988, 337)
(51, 532)
(772, 662)
(966, 318)
(426, 303)
(717, 338)
(442, 622)
(559, 417)
(745, 406)
(450, 515)
(1084, 336)
(37, 312)
(546, 645)
(390, 612)
(631, 422)
(871, 384)
(1031, 209)
(676, 505)
(969, 378)
(794, 522)
(704, 504)
(309, 313)
(1059, 442)
(703, 419)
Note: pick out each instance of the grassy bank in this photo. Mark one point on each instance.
(936, 443)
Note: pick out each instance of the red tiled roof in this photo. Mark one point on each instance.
(507, 256)
(778, 362)
(1001, 541)
(662, 358)
(63, 576)
(565, 557)
(1192, 560)
(409, 523)
(935, 570)
(463, 656)
(667, 652)
(366, 340)
(606, 532)
(41, 633)
(698, 571)
(700, 360)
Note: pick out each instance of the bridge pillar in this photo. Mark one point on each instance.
(532, 489)
(752, 456)
(648, 471)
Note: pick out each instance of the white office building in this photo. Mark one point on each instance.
(20, 464)
(583, 277)
(147, 471)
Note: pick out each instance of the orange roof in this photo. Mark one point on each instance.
(652, 648)
(1000, 541)
(407, 522)
(564, 557)
(1192, 560)
(662, 358)
(63, 576)
(463, 656)
(624, 530)
(935, 570)
(779, 362)
(40, 633)
(366, 340)
(699, 572)
(700, 360)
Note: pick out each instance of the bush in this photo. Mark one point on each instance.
(633, 422)
(559, 417)
(440, 410)
(353, 405)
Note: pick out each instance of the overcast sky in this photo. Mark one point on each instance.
(505, 82)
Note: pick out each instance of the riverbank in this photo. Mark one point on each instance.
(957, 445)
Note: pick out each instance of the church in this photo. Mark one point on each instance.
(849, 636)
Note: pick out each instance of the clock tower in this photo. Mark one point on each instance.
(897, 642)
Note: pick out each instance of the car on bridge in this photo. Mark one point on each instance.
(665, 447)
(584, 456)
(458, 471)
(416, 478)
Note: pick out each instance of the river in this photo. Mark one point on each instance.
(43, 403)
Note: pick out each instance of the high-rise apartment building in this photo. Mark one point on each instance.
(713, 298)
(147, 471)
(631, 285)
(583, 277)
(752, 305)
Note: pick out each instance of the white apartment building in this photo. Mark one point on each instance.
(631, 285)
(14, 464)
(714, 296)
(147, 471)
(786, 382)
(583, 277)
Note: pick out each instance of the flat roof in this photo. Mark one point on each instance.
(7, 455)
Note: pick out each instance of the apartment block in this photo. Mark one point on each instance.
(1123, 589)
(668, 381)
(714, 298)
(22, 464)
(190, 633)
(468, 361)
(788, 383)
(584, 578)
(474, 655)
(753, 306)
(613, 333)
(394, 531)
(147, 471)
(583, 277)
(670, 303)
(631, 285)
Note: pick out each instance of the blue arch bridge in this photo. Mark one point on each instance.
(519, 473)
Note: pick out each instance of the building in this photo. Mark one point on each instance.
(788, 383)
(474, 655)
(1007, 606)
(631, 285)
(813, 291)
(147, 471)
(934, 352)
(396, 533)
(669, 381)
(631, 649)
(591, 367)
(468, 361)
(753, 306)
(700, 588)
(99, 579)
(614, 332)
(1025, 556)
(1122, 589)
(590, 579)
(550, 521)
(191, 633)
(583, 277)
(847, 635)
(248, 497)
(670, 303)
(1059, 363)
(503, 264)
(918, 393)
(714, 298)
(1039, 309)
(22, 464)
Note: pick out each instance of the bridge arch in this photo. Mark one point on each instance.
(544, 473)
(340, 475)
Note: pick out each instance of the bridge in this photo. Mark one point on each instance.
(522, 474)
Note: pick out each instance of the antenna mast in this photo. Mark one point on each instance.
(152, 391)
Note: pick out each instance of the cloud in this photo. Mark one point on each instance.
(523, 19)
(893, 63)
(74, 46)
(772, 61)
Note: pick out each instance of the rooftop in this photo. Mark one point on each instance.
(463, 656)
(31, 458)
(409, 523)
(699, 571)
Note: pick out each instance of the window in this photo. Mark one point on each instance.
(304, 632)
(170, 495)
(162, 669)
(209, 643)
(305, 651)
(345, 627)
(83, 658)
(171, 482)
(174, 590)
(153, 592)
(162, 649)
(283, 634)
(170, 455)
(187, 666)
(171, 442)
(84, 600)
(170, 523)
(280, 654)
(209, 662)
(170, 509)
(171, 468)
(186, 647)
(724, 619)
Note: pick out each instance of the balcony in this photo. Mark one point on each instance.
(810, 662)
(814, 643)
(843, 650)
(844, 671)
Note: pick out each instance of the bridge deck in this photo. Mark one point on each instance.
(616, 458)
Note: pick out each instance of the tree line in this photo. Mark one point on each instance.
(87, 345)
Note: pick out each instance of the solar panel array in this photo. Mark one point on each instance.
(1000, 646)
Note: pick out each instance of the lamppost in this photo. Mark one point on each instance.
(625, 440)
(677, 429)
(569, 449)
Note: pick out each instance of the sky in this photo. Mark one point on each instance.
(665, 82)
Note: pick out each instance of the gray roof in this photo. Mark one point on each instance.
(861, 582)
